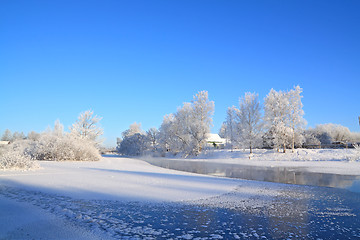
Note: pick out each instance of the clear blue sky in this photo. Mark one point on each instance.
(139, 60)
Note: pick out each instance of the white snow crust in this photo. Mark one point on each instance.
(117, 179)
(64, 188)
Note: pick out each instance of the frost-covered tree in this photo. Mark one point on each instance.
(7, 135)
(133, 129)
(33, 136)
(222, 130)
(311, 138)
(87, 126)
(135, 141)
(133, 145)
(152, 136)
(167, 138)
(186, 130)
(317, 136)
(284, 118)
(55, 145)
(51, 145)
(295, 113)
(17, 156)
(181, 129)
(276, 118)
(203, 110)
(249, 120)
(58, 129)
(333, 133)
(231, 130)
(18, 136)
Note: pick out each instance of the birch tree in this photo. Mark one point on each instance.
(249, 120)
(295, 113)
(276, 118)
(186, 130)
(152, 136)
(203, 110)
(284, 117)
(166, 135)
(231, 127)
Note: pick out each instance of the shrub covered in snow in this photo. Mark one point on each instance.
(52, 145)
(17, 156)
(66, 147)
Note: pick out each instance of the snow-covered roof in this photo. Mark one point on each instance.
(213, 137)
(4, 142)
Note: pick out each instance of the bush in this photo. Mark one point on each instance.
(16, 156)
(67, 147)
(22, 154)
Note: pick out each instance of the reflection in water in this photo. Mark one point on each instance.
(291, 175)
(297, 212)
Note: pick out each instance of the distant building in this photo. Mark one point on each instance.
(3, 143)
(214, 140)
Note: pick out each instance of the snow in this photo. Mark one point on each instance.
(117, 179)
(85, 192)
(335, 161)
(127, 198)
(25, 221)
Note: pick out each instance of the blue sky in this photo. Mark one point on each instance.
(139, 60)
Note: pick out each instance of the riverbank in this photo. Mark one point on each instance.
(333, 161)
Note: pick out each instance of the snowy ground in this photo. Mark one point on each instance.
(337, 161)
(123, 198)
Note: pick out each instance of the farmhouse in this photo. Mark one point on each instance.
(214, 140)
(3, 143)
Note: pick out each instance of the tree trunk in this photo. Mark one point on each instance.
(293, 140)
(284, 148)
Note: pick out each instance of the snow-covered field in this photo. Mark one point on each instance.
(125, 198)
(117, 179)
(57, 186)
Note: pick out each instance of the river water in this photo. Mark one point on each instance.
(289, 175)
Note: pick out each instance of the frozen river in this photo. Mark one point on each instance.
(299, 212)
(278, 174)
(124, 198)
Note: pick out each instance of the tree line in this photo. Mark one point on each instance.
(81, 143)
(182, 132)
(278, 124)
